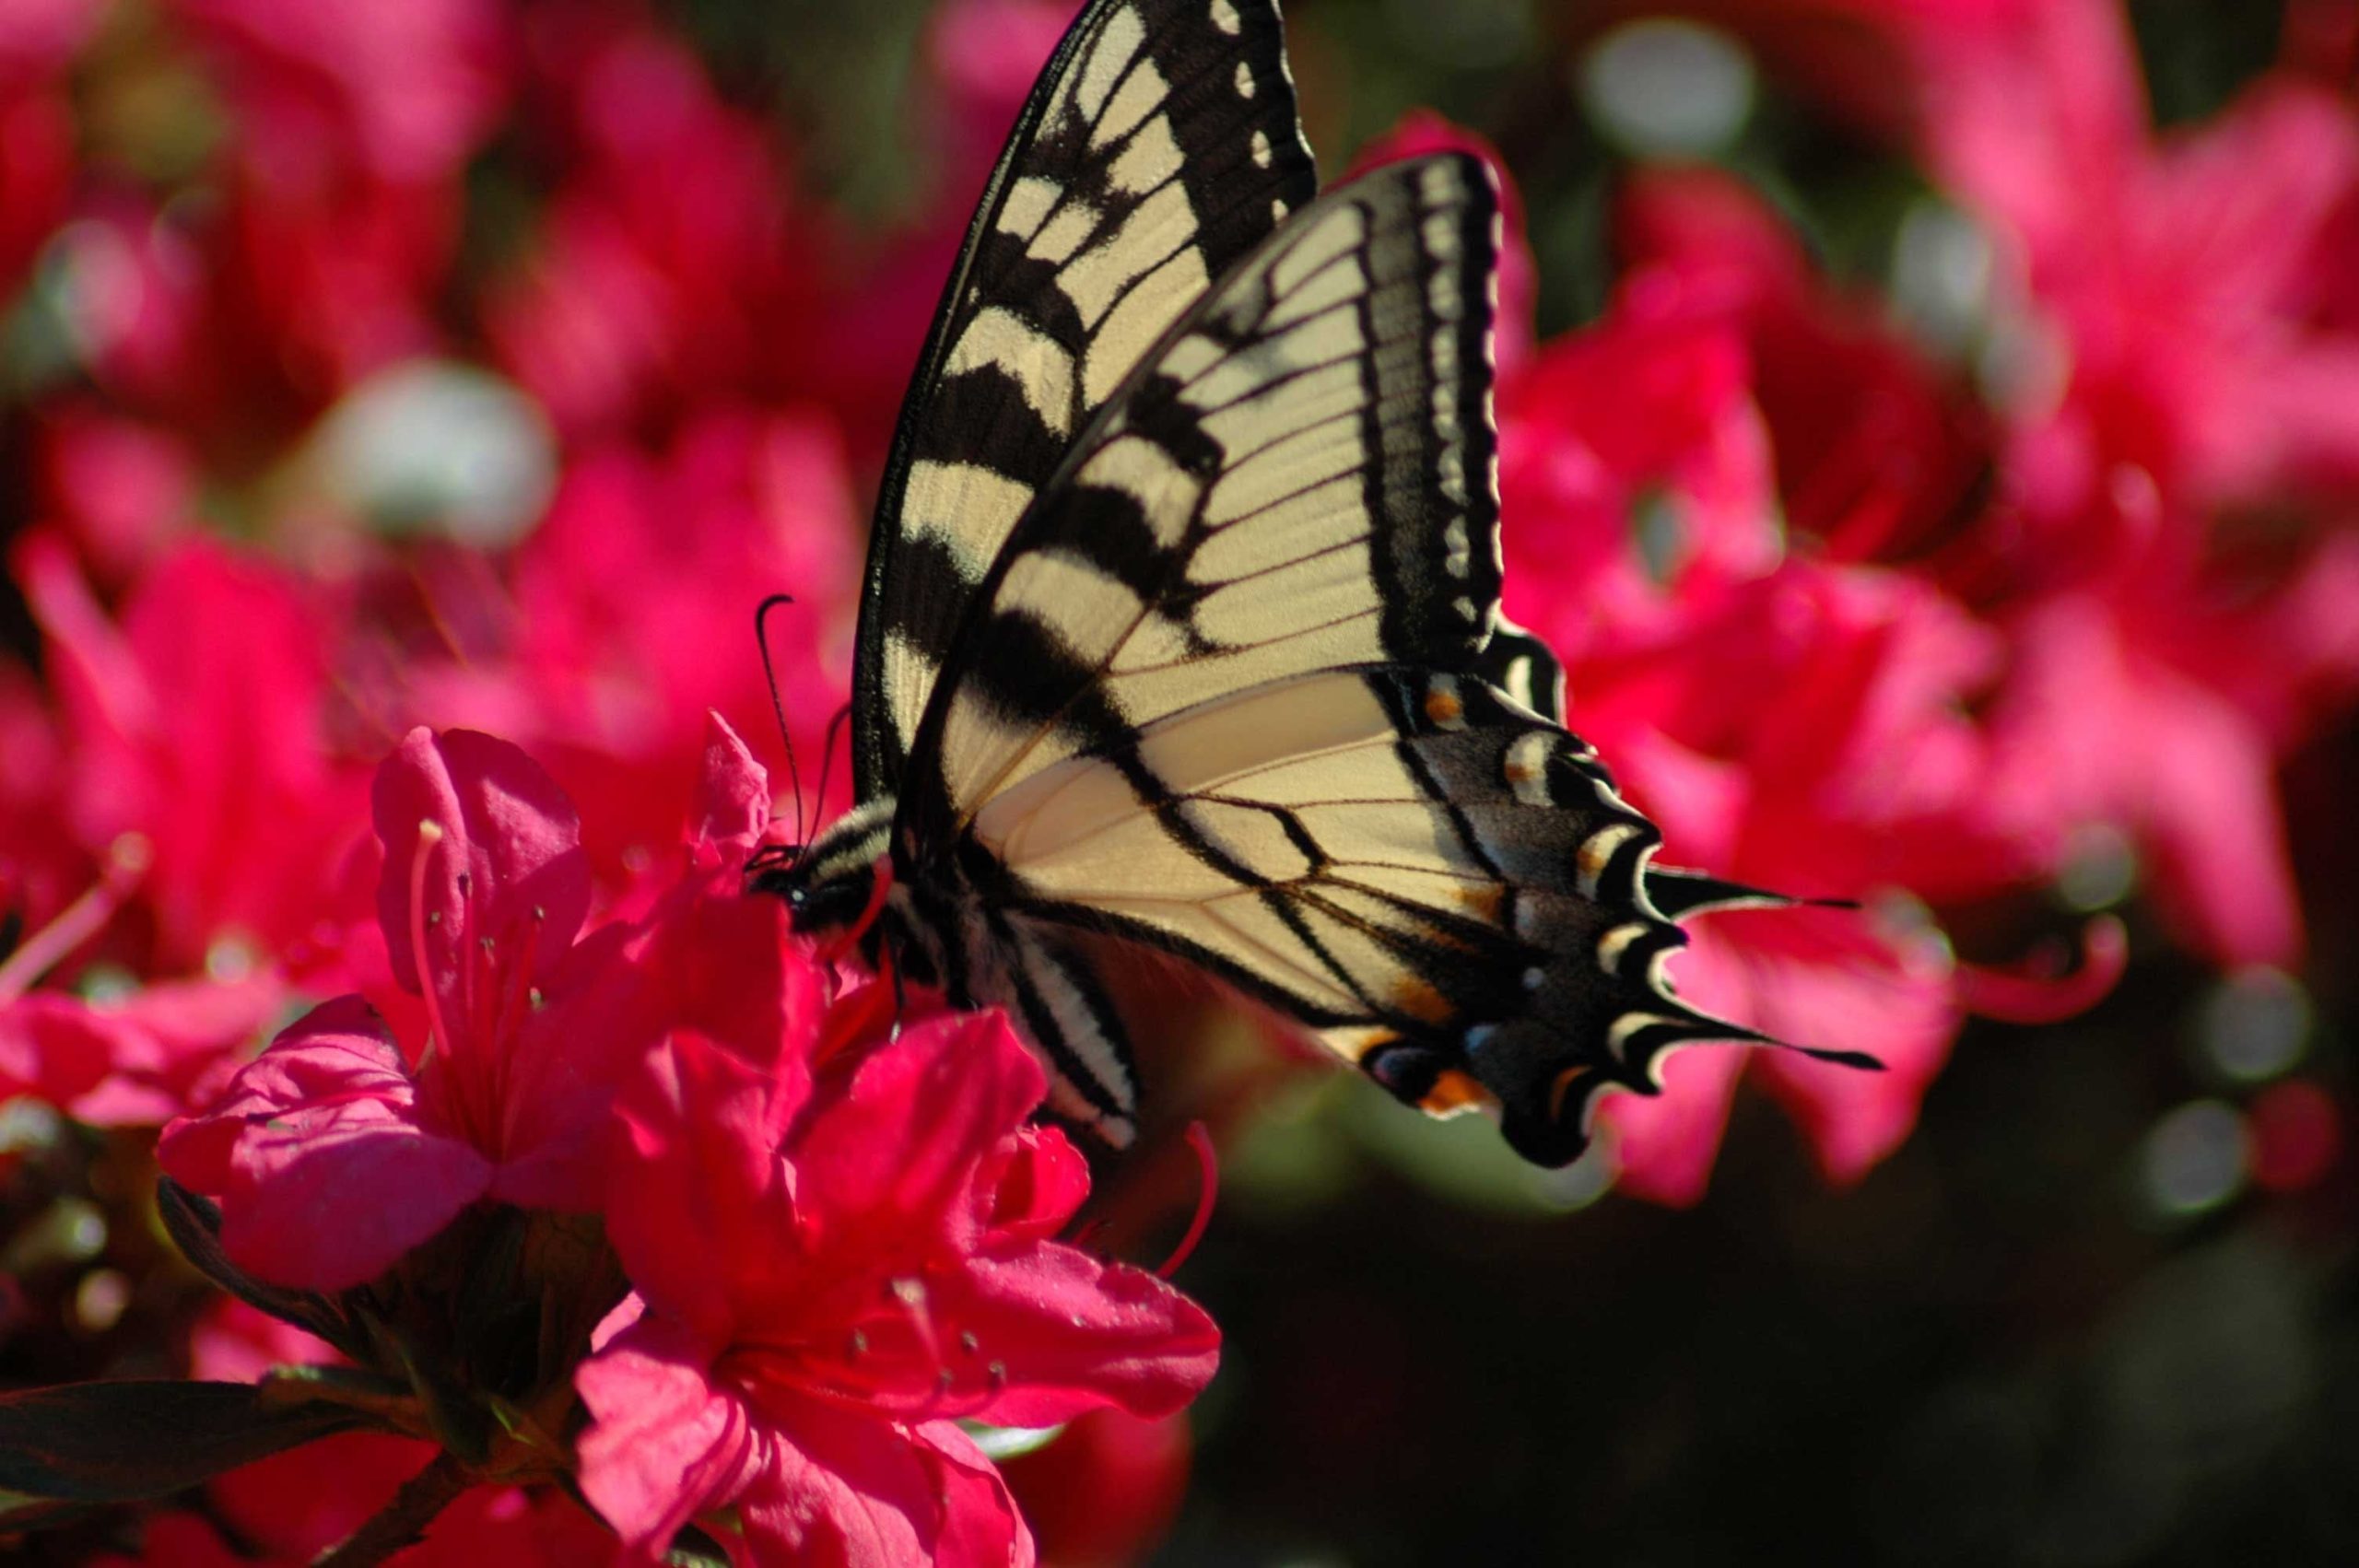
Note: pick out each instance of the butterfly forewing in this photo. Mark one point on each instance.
(1160, 145)
(1301, 476)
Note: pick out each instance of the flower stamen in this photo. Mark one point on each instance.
(1207, 1189)
(429, 834)
(128, 858)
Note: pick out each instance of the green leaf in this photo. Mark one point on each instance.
(694, 1549)
(95, 1442)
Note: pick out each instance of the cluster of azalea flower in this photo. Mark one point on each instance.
(474, 364)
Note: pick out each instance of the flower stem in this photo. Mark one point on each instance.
(403, 1520)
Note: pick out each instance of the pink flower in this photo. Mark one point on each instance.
(333, 1153)
(328, 94)
(650, 291)
(132, 1060)
(1641, 428)
(1876, 451)
(36, 174)
(37, 38)
(218, 763)
(2181, 290)
(2113, 718)
(834, 1274)
(630, 614)
(191, 802)
(125, 489)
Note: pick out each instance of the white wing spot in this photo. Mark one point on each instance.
(1277, 209)
(1245, 84)
(1224, 17)
(1526, 767)
(1617, 1033)
(1029, 202)
(1613, 943)
(1597, 852)
(1444, 708)
(1261, 150)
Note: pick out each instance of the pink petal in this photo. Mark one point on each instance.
(2210, 802)
(841, 1490)
(720, 965)
(1834, 982)
(560, 1071)
(1046, 1180)
(728, 967)
(1069, 1333)
(54, 1047)
(1664, 1146)
(733, 798)
(2094, 727)
(237, 1343)
(665, 1444)
(884, 1163)
(219, 763)
(325, 1174)
(699, 1197)
(153, 1050)
(297, 1503)
(980, 1520)
(508, 867)
(178, 1540)
(1108, 1489)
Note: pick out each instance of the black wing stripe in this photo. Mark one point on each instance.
(1140, 169)
(1069, 1015)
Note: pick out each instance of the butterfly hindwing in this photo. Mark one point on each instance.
(1159, 146)
(1441, 883)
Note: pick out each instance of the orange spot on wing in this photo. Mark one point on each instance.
(1561, 1087)
(1443, 708)
(1481, 898)
(1416, 997)
(1454, 1092)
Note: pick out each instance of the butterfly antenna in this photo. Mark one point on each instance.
(827, 771)
(827, 760)
(778, 707)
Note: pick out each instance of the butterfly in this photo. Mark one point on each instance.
(1180, 624)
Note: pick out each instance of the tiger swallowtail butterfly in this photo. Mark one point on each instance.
(1181, 620)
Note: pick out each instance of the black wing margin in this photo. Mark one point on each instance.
(1160, 145)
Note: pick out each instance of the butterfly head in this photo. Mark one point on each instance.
(833, 882)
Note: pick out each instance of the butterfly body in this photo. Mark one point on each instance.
(1181, 630)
